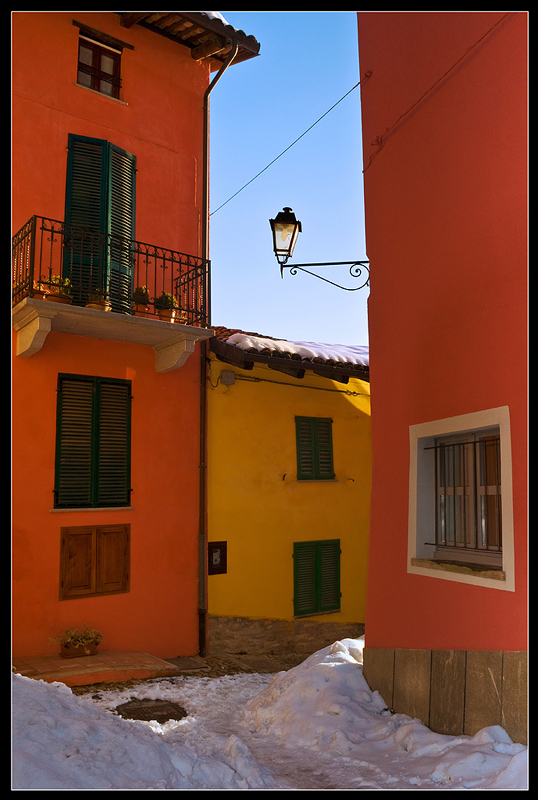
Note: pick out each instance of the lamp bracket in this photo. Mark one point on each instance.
(357, 269)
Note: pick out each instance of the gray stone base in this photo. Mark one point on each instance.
(303, 637)
(453, 691)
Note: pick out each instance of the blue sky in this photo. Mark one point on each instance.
(308, 61)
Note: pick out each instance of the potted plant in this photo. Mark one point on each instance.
(40, 289)
(140, 301)
(60, 290)
(97, 299)
(166, 306)
(75, 642)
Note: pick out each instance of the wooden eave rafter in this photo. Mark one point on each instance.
(207, 38)
(244, 359)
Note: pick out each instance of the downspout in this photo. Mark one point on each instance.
(204, 365)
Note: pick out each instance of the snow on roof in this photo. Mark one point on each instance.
(339, 353)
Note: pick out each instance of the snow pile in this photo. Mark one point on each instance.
(315, 726)
(326, 704)
(61, 741)
(340, 353)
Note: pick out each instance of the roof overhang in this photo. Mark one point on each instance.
(208, 38)
(295, 367)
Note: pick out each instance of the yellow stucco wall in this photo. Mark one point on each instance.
(257, 505)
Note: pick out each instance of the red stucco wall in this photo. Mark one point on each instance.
(445, 199)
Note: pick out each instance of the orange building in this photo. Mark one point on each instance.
(444, 102)
(110, 160)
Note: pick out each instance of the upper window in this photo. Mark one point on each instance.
(93, 442)
(99, 66)
(460, 499)
(314, 448)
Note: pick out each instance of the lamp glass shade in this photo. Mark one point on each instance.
(285, 232)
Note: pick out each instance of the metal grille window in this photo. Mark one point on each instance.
(99, 66)
(316, 577)
(468, 498)
(93, 442)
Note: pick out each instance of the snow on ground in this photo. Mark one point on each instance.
(316, 726)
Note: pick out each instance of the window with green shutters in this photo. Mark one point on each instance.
(93, 442)
(100, 219)
(316, 577)
(314, 448)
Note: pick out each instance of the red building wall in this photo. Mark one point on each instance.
(159, 119)
(444, 141)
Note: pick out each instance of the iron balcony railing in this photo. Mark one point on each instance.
(133, 277)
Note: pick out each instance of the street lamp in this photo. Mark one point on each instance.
(286, 229)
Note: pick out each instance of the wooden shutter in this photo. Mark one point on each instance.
(94, 560)
(316, 577)
(328, 553)
(74, 443)
(121, 209)
(93, 442)
(77, 562)
(314, 448)
(100, 198)
(114, 444)
(304, 574)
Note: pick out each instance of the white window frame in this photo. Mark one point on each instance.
(422, 505)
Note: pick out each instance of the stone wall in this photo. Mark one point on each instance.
(302, 637)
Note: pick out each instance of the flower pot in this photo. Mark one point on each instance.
(167, 314)
(140, 310)
(68, 651)
(58, 298)
(100, 306)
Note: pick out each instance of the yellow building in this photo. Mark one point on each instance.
(289, 469)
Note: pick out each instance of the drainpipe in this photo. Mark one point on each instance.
(204, 361)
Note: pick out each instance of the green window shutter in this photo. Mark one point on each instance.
(329, 575)
(74, 443)
(100, 197)
(121, 208)
(114, 444)
(304, 578)
(314, 448)
(93, 442)
(316, 572)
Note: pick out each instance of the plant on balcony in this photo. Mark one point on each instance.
(166, 306)
(97, 299)
(75, 642)
(140, 300)
(40, 289)
(59, 289)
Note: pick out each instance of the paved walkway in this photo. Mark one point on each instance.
(116, 667)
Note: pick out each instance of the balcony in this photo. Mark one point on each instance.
(66, 278)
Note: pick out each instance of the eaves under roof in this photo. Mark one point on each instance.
(274, 354)
(205, 33)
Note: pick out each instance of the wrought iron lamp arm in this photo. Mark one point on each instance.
(356, 270)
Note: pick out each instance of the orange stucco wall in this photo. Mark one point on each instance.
(159, 613)
(445, 198)
(159, 119)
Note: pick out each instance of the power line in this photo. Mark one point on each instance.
(288, 148)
